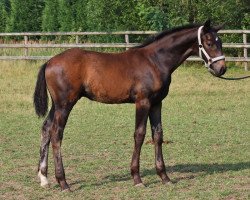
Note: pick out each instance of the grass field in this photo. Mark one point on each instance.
(206, 119)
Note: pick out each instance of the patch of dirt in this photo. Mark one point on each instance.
(164, 142)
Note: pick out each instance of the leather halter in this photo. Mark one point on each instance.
(210, 60)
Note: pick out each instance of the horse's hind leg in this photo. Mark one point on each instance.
(157, 136)
(44, 148)
(60, 119)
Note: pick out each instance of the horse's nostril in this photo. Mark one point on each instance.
(223, 70)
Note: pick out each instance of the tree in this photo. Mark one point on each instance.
(3, 17)
(25, 15)
(66, 15)
(152, 15)
(50, 16)
(245, 24)
(106, 15)
(80, 15)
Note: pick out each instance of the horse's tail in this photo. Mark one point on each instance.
(40, 94)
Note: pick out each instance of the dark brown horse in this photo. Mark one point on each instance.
(141, 75)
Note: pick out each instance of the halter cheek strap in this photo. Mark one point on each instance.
(202, 50)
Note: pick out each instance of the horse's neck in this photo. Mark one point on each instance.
(171, 51)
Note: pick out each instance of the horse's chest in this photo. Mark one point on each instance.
(162, 91)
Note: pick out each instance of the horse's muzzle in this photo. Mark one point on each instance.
(218, 71)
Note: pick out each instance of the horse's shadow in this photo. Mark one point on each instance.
(191, 171)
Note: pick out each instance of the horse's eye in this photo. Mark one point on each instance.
(213, 47)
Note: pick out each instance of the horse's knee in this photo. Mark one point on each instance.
(139, 134)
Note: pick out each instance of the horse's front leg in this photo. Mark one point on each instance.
(157, 136)
(142, 109)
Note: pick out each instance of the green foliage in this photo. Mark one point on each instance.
(105, 16)
(246, 21)
(246, 14)
(3, 17)
(80, 15)
(66, 15)
(152, 15)
(25, 15)
(108, 15)
(50, 16)
(120, 15)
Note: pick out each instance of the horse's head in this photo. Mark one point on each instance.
(210, 49)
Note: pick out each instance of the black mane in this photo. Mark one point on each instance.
(162, 34)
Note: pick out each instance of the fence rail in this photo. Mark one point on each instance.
(26, 45)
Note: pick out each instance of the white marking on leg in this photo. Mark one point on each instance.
(43, 164)
(44, 180)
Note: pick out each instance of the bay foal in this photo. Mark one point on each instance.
(141, 75)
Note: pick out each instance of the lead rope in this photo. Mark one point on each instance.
(235, 78)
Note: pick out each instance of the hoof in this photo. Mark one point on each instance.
(44, 180)
(140, 185)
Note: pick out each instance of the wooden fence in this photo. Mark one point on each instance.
(26, 45)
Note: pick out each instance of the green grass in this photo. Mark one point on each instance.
(206, 119)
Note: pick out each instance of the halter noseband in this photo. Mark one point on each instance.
(210, 60)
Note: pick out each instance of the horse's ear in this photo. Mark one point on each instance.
(219, 27)
(207, 25)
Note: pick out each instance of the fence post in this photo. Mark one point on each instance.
(77, 39)
(26, 49)
(245, 50)
(127, 40)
